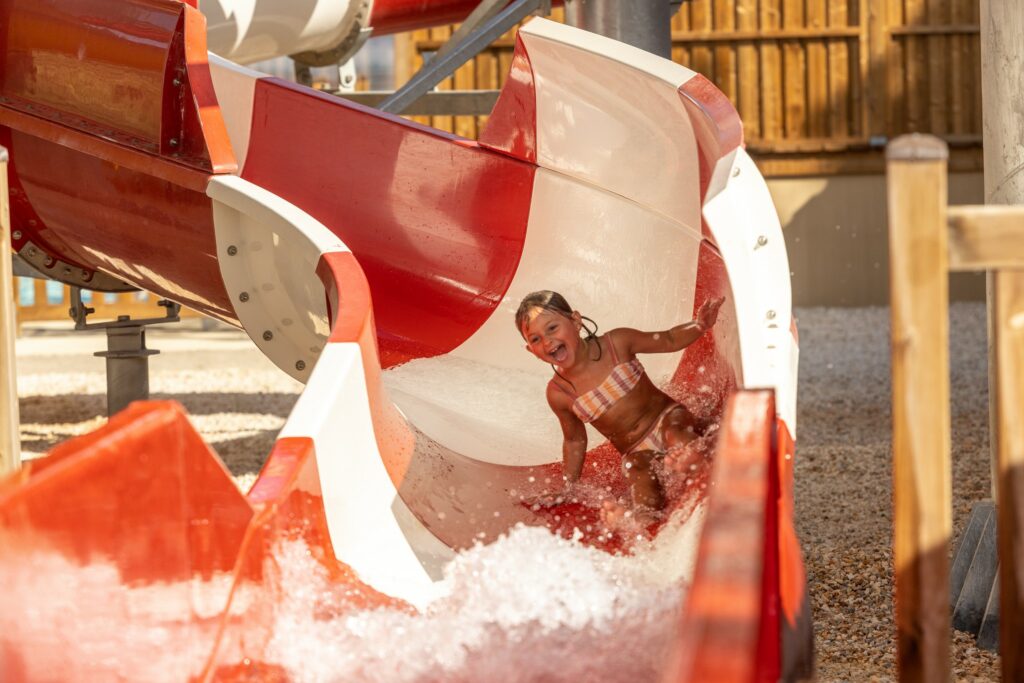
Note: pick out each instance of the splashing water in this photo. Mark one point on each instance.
(531, 606)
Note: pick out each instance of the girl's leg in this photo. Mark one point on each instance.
(643, 482)
(679, 429)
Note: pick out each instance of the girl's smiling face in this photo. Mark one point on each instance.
(553, 337)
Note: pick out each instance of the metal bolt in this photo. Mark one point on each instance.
(232, 250)
(49, 261)
(86, 275)
(176, 82)
(31, 251)
(268, 335)
(173, 142)
(16, 234)
(771, 315)
(67, 272)
(300, 365)
(735, 171)
(762, 240)
(243, 297)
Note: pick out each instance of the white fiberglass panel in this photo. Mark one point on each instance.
(746, 227)
(235, 87)
(249, 31)
(268, 251)
(371, 529)
(611, 114)
(615, 261)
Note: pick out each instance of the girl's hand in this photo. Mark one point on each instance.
(555, 498)
(707, 314)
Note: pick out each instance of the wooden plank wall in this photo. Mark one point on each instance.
(821, 85)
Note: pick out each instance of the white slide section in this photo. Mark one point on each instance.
(619, 227)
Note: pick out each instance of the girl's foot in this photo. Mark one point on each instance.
(613, 514)
(617, 517)
(682, 458)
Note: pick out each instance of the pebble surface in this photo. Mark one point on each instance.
(238, 401)
(843, 482)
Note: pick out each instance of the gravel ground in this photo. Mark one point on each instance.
(239, 401)
(844, 481)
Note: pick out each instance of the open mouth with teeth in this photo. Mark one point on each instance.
(559, 353)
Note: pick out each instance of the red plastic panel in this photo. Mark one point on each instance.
(152, 232)
(131, 71)
(351, 317)
(143, 492)
(709, 363)
(289, 508)
(723, 639)
(512, 126)
(716, 124)
(436, 223)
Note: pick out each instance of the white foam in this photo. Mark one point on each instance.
(531, 606)
(62, 621)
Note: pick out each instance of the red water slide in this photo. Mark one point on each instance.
(379, 261)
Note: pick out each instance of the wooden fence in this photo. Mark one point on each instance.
(927, 240)
(821, 85)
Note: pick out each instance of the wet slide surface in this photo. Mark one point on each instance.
(346, 242)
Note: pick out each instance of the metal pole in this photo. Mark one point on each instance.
(127, 366)
(10, 437)
(645, 24)
(1002, 91)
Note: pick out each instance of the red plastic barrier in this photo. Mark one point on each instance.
(730, 628)
(128, 517)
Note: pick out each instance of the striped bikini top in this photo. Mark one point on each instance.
(619, 382)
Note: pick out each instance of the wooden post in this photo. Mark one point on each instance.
(1007, 298)
(10, 437)
(1002, 97)
(1002, 89)
(922, 493)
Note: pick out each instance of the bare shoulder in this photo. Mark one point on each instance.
(559, 398)
(624, 340)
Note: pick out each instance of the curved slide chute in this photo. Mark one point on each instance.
(609, 174)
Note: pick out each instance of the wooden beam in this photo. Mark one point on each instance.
(941, 30)
(10, 436)
(986, 237)
(1008, 324)
(1002, 50)
(922, 491)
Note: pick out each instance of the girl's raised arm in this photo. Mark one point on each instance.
(676, 339)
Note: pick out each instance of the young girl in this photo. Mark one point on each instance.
(599, 380)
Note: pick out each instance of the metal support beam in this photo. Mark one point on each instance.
(434, 103)
(642, 23)
(127, 365)
(126, 354)
(458, 53)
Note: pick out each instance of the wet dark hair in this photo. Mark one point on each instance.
(547, 300)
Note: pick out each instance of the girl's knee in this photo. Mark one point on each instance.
(638, 462)
(679, 435)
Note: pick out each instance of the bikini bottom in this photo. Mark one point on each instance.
(654, 438)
